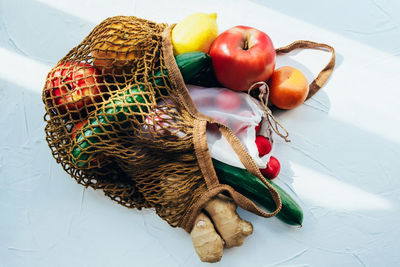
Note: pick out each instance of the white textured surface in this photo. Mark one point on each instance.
(342, 163)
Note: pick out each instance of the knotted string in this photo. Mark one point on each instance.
(263, 97)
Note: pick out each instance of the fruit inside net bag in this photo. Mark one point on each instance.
(119, 118)
(241, 113)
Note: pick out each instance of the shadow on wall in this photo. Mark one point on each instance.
(375, 26)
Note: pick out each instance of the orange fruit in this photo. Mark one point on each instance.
(288, 88)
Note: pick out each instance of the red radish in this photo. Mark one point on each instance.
(258, 127)
(263, 145)
(228, 100)
(273, 168)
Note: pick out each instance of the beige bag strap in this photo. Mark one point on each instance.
(324, 73)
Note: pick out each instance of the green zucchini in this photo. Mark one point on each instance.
(125, 105)
(253, 188)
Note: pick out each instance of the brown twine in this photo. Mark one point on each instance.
(263, 97)
(314, 86)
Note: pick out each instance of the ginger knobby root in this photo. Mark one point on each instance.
(230, 226)
(233, 230)
(207, 243)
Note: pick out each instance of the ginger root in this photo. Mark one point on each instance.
(230, 226)
(207, 241)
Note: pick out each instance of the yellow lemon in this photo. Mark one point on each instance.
(195, 33)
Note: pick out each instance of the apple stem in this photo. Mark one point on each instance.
(246, 41)
(246, 44)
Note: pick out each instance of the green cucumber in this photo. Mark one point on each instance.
(124, 106)
(196, 68)
(191, 63)
(253, 188)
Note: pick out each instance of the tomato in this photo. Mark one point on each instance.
(288, 88)
(72, 86)
(242, 56)
(272, 170)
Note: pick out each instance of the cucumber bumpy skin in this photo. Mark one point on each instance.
(123, 107)
(253, 188)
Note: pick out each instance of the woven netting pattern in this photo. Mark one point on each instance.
(114, 122)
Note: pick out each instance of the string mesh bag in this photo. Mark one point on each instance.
(119, 118)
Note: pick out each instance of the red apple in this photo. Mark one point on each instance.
(242, 56)
(272, 170)
(72, 85)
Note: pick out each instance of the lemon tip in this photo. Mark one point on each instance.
(213, 15)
